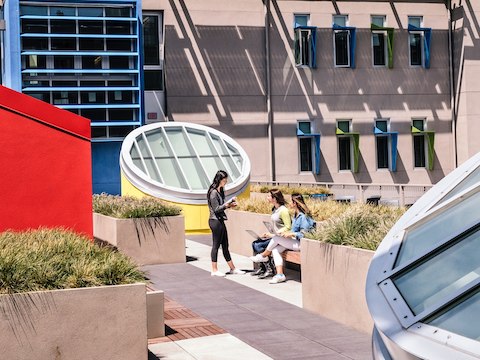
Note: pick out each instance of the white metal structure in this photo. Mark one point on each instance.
(178, 161)
(423, 285)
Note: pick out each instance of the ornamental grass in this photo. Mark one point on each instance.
(50, 259)
(127, 207)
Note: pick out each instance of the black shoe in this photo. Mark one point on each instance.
(266, 274)
(259, 271)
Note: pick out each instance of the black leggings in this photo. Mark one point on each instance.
(220, 237)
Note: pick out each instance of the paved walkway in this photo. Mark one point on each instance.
(262, 321)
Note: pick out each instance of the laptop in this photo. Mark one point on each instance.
(269, 227)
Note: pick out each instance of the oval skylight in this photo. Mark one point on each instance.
(178, 161)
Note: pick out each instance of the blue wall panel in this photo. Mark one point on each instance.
(106, 167)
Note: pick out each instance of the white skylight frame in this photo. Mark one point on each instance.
(185, 194)
(398, 327)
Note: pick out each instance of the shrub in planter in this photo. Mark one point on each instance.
(49, 259)
(146, 229)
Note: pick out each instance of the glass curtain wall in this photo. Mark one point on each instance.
(84, 58)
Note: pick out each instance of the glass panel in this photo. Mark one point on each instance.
(90, 44)
(65, 97)
(121, 114)
(344, 153)
(219, 145)
(91, 62)
(62, 11)
(340, 20)
(237, 159)
(418, 124)
(41, 95)
(305, 154)
(171, 173)
(119, 62)
(153, 80)
(92, 97)
(34, 43)
(63, 26)
(152, 171)
(142, 146)
(151, 45)
(415, 21)
(419, 150)
(121, 97)
(304, 126)
(439, 276)
(33, 10)
(117, 12)
(470, 180)
(382, 152)
(378, 20)
(119, 44)
(344, 126)
(63, 62)
(90, 12)
(462, 318)
(118, 27)
(201, 143)
(194, 173)
(378, 49)
(94, 114)
(63, 44)
(99, 131)
(415, 49)
(231, 168)
(36, 62)
(381, 125)
(138, 163)
(179, 142)
(120, 131)
(212, 165)
(341, 48)
(447, 224)
(158, 144)
(90, 27)
(34, 26)
(301, 20)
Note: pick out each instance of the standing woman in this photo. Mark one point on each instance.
(216, 221)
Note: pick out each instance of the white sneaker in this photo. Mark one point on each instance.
(278, 279)
(235, 272)
(259, 258)
(218, 273)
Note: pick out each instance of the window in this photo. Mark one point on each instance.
(119, 62)
(379, 43)
(63, 26)
(63, 62)
(118, 27)
(90, 44)
(153, 80)
(415, 40)
(117, 12)
(34, 26)
(62, 11)
(90, 27)
(91, 62)
(382, 144)
(63, 44)
(344, 146)
(305, 146)
(65, 97)
(343, 42)
(36, 62)
(304, 41)
(419, 143)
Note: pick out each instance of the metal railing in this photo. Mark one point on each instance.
(391, 194)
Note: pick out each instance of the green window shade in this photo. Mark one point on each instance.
(430, 140)
(390, 32)
(342, 125)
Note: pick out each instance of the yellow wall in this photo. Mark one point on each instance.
(196, 216)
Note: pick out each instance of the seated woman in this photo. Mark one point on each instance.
(302, 222)
(281, 223)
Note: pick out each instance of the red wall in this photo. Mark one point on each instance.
(45, 166)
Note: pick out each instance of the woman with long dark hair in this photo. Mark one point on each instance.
(302, 222)
(216, 221)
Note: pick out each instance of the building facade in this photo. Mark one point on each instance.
(369, 92)
(334, 91)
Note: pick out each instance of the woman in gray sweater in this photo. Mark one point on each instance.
(216, 221)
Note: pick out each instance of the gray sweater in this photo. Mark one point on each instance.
(217, 206)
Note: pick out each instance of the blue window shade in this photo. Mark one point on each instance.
(394, 141)
(353, 41)
(427, 37)
(300, 134)
(312, 43)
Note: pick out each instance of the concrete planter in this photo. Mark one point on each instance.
(105, 322)
(333, 282)
(147, 241)
(238, 221)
